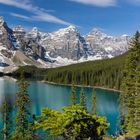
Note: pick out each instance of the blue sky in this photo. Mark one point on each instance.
(114, 17)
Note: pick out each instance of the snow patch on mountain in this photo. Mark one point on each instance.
(63, 47)
(1, 60)
(107, 46)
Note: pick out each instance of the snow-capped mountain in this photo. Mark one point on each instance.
(104, 46)
(65, 46)
(65, 43)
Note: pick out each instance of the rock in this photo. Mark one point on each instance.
(66, 43)
(59, 48)
(6, 34)
(107, 46)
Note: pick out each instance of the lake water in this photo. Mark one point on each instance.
(56, 97)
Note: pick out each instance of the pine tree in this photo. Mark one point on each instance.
(23, 110)
(137, 101)
(6, 118)
(93, 102)
(73, 95)
(82, 98)
(122, 112)
(129, 83)
(32, 129)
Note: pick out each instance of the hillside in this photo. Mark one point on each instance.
(104, 73)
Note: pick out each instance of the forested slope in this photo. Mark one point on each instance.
(104, 73)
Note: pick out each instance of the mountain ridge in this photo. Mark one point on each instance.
(63, 47)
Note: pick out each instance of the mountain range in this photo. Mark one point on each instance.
(63, 47)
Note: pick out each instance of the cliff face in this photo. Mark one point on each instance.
(66, 43)
(6, 35)
(105, 46)
(59, 48)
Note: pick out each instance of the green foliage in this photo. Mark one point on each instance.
(82, 98)
(74, 123)
(103, 73)
(137, 100)
(93, 102)
(73, 95)
(122, 111)
(31, 72)
(129, 98)
(33, 130)
(23, 112)
(6, 110)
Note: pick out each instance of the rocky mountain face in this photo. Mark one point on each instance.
(104, 46)
(65, 46)
(66, 43)
(6, 34)
(28, 42)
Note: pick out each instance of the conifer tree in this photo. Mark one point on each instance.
(6, 110)
(32, 129)
(93, 102)
(129, 83)
(23, 110)
(73, 95)
(122, 112)
(137, 101)
(82, 98)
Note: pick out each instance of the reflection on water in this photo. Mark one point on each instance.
(56, 97)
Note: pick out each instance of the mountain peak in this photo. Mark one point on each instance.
(19, 28)
(35, 29)
(95, 32)
(63, 31)
(72, 27)
(68, 29)
(34, 33)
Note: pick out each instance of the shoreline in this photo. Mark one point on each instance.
(85, 86)
(58, 84)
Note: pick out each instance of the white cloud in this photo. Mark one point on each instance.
(40, 17)
(39, 14)
(20, 16)
(101, 3)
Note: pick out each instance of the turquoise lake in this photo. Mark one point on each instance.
(56, 97)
